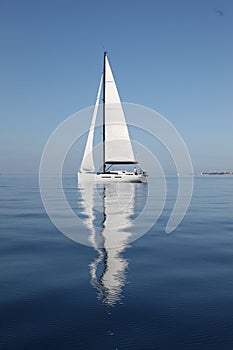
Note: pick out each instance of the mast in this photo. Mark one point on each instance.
(104, 76)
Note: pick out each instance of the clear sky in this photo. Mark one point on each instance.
(174, 56)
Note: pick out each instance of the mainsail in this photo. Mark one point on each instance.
(118, 148)
(88, 162)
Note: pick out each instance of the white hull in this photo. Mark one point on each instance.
(117, 176)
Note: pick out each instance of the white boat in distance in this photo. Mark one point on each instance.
(117, 148)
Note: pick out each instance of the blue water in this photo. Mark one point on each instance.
(172, 291)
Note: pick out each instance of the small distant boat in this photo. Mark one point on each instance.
(117, 147)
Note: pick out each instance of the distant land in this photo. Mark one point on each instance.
(217, 173)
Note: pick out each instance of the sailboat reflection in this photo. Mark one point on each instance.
(108, 213)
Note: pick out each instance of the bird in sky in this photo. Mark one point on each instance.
(219, 12)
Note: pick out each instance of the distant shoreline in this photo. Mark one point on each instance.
(217, 173)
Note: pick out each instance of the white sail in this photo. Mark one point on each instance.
(118, 147)
(88, 162)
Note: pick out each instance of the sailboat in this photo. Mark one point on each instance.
(117, 147)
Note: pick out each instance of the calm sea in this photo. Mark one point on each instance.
(162, 291)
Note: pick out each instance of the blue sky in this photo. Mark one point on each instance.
(174, 56)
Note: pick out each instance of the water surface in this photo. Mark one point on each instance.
(162, 291)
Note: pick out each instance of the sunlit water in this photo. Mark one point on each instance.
(162, 291)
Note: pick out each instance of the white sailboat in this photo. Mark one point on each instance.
(117, 148)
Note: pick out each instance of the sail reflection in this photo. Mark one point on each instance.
(108, 213)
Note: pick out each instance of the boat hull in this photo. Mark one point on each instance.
(112, 177)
